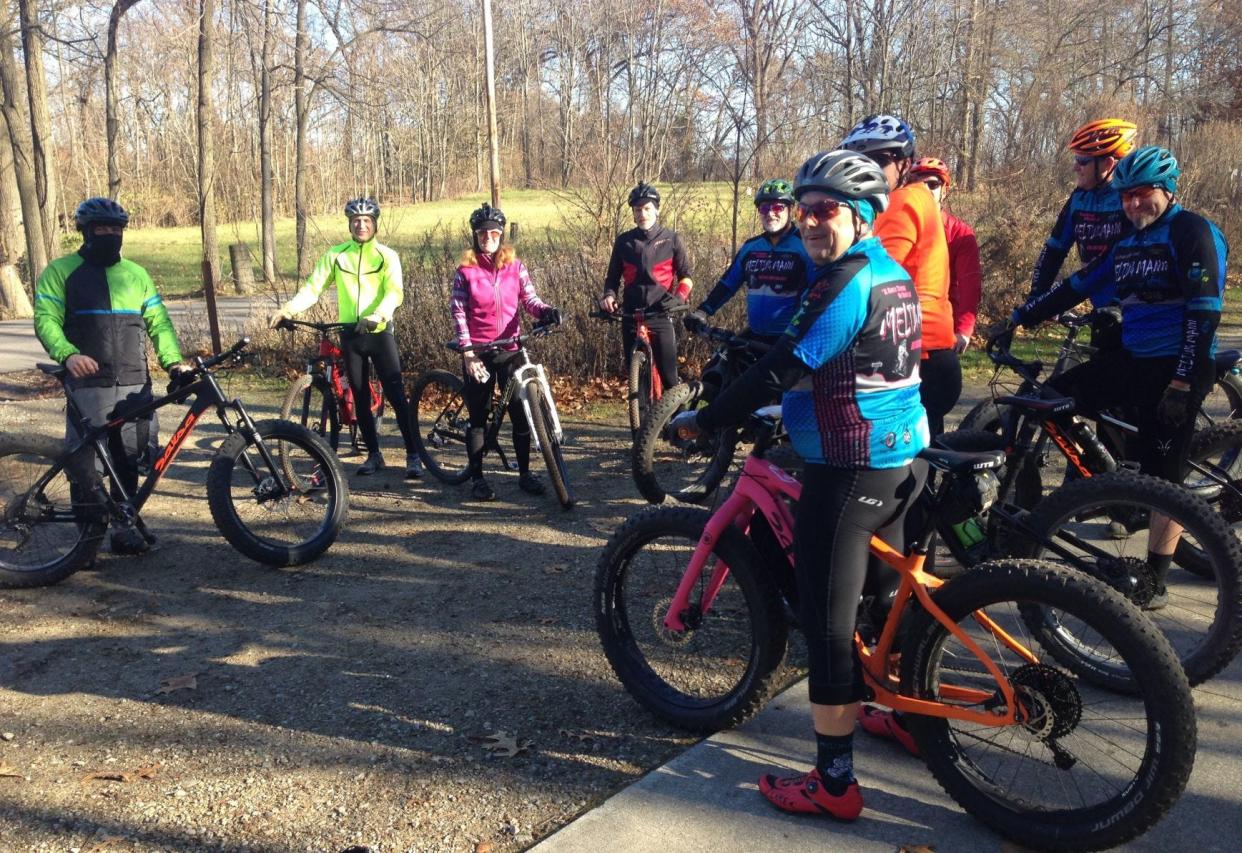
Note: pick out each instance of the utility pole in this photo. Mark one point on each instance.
(493, 144)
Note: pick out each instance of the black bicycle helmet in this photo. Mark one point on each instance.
(99, 210)
(843, 173)
(881, 133)
(362, 206)
(644, 192)
(487, 216)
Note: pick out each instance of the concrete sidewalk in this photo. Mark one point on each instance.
(707, 798)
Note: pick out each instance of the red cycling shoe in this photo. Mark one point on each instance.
(885, 724)
(805, 794)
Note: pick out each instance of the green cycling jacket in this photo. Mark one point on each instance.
(106, 313)
(368, 283)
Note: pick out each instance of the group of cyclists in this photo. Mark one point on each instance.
(865, 289)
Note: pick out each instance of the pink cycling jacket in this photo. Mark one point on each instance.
(485, 301)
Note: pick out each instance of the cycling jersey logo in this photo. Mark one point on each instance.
(870, 501)
(890, 440)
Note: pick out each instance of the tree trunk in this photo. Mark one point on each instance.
(267, 225)
(40, 122)
(19, 137)
(111, 122)
(207, 162)
(14, 301)
(299, 110)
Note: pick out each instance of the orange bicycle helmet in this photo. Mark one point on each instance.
(931, 166)
(1106, 137)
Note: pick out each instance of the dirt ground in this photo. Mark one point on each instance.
(191, 699)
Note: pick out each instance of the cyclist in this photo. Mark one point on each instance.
(848, 367)
(912, 232)
(649, 267)
(773, 266)
(965, 272)
(368, 282)
(1092, 218)
(93, 311)
(490, 284)
(1169, 275)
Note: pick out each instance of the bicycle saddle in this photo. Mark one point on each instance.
(958, 462)
(1052, 406)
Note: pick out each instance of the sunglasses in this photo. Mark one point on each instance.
(489, 232)
(1083, 160)
(820, 211)
(1138, 193)
(769, 207)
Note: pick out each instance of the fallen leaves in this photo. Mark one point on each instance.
(145, 772)
(178, 682)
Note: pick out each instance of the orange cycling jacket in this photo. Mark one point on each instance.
(913, 233)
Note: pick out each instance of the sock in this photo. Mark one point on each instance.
(1160, 565)
(835, 761)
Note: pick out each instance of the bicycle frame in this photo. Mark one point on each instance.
(642, 335)
(207, 394)
(762, 487)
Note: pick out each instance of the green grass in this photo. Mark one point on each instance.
(173, 256)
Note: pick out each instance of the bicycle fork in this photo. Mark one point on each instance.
(523, 376)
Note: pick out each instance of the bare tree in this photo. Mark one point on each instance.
(265, 146)
(14, 302)
(22, 147)
(111, 122)
(300, 101)
(40, 121)
(207, 159)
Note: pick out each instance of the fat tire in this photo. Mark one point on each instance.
(986, 416)
(90, 535)
(651, 437)
(1223, 549)
(770, 634)
(234, 529)
(541, 423)
(452, 383)
(1161, 776)
(639, 393)
(1208, 444)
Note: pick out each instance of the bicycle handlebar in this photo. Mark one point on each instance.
(998, 351)
(719, 334)
(648, 312)
(539, 331)
(288, 324)
(1070, 320)
(202, 366)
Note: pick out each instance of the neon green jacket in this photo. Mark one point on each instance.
(368, 283)
(106, 313)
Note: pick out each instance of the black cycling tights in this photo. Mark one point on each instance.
(663, 347)
(838, 512)
(940, 385)
(380, 349)
(479, 401)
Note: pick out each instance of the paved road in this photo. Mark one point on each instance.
(20, 349)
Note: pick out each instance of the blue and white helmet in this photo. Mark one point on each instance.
(362, 206)
(881, 133)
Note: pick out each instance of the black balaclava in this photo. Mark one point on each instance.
(102, 250)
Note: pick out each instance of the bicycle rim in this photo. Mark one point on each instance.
(1087, 767)
(717, 672)
(37, 532)
(550, 447)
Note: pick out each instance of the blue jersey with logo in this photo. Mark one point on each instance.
(1093, 221)
(859, 330)
(774, 275)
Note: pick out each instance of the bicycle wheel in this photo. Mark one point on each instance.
(275, 517)
(720, 670)
(440, 425)
(639, 400)
(1217, 450)
(985, 416)
(1086, 768)
(684, 470)
(541, 423)
(1100, 526)
(41, 540)
(1223, 403)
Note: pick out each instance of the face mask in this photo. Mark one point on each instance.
(103, 250)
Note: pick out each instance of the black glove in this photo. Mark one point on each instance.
(1174, 407)
(695, 321)
(550, 316)
(179, 375)
(365, 326)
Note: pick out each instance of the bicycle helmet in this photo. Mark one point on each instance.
(1107, 137)
(931, 166)
(362, 206)
(775, 190)
(1149, 166)
(100, 210)
(487, 216)
(845, 174)
(644, 192)
(881, 133)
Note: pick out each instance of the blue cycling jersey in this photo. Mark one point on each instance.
(1093, 221)
(775, 276)
(1170, 281)
(859, 331)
